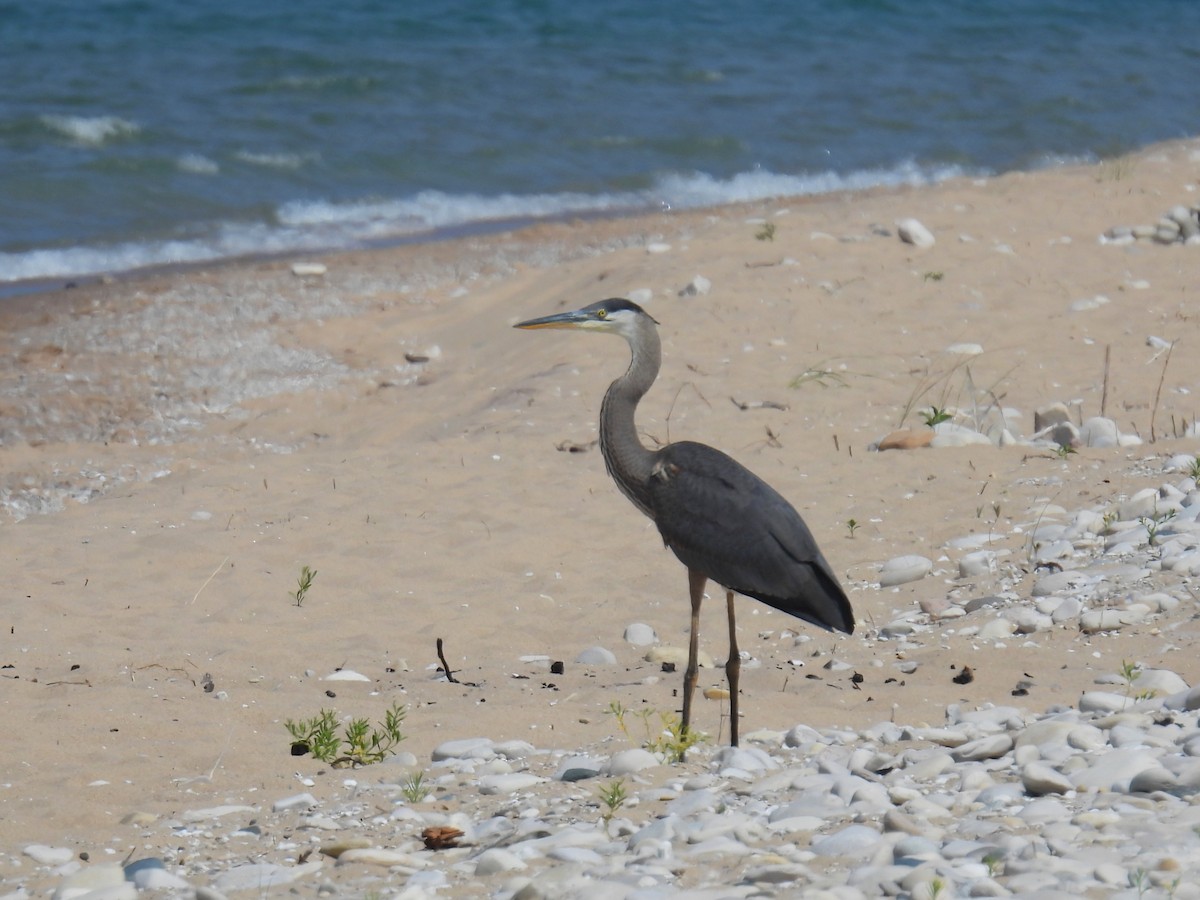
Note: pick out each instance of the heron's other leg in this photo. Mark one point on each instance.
(696, 583)
(733, 668)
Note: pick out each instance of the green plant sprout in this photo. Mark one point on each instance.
(935, 415)
(317, 735)
(852, 526)
(671, 741)
(307, 576)
(766, 233)
(612, 798)
(1129, 673)
(824, 377)
(1139, 880)
(1153, 524)
(360, 744)
(415, 788)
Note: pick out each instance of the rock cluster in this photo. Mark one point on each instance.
(1178, 225)
(1083, 799)
(1053, 429)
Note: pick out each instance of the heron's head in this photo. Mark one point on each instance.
(614, 316)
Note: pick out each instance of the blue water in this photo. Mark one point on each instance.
(135, 132)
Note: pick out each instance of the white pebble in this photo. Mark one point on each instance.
(596, 656)
(640, 635)
(296, 801)
(1039, 778)
(508, 784)
(495, 860)
(464, 748)
(903, 569)
(49, 856)
(913, 232)
(309, 269)
(628, 762)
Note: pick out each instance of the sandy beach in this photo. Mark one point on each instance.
(383, 424)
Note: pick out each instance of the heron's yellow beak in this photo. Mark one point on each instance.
(574, 319)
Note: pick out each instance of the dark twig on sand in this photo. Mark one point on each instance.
(1158, 393)
(445, 665)
(1104, 391)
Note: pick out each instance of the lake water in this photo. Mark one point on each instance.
(138, 132)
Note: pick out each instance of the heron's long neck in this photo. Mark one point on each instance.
(628, 462)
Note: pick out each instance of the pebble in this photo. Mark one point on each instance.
(965, 349)
(495, 860)
(1087, 304)
(102, 877)
(677, 656)
(308, 269)
(977, 562)
(596, 656)
(629, 762)
(913, 232)
(903, 569)
(905, 440)
(296, 801)
(379, 856)
(1039, 778)
(507, 784)
(697, 287)
(261, 876)
(465, 748)
(49, 856)
(640, 635)
(851, 840)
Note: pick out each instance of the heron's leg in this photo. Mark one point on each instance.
(696, 583)
(733, 668)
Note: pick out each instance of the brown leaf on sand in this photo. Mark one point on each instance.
(906, 440)
(440, 837)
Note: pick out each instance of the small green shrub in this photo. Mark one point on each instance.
(360, 743)
(307, 576)
(671, 740)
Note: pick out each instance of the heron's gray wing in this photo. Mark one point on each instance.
(721, 519)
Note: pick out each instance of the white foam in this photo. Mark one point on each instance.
(276, 160)
(91, 131)
(306, 226)
(698, 189)
(197, 164)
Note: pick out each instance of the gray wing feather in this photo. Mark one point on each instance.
(721, 519)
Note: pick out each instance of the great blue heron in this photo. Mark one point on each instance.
(721, 520)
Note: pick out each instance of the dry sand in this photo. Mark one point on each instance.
(234, 424)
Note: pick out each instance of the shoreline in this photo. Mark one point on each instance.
(267, 422)
(11, 291)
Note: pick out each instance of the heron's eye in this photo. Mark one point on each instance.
(602, 314)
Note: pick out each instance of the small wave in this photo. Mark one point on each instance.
(698, 189)
(430, 210)
(275, 160)
(196, 164)
(302, 226)
(91, 131)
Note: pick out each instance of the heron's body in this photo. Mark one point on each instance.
(722, 521)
